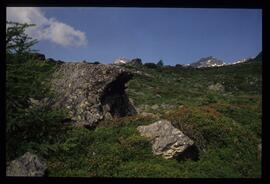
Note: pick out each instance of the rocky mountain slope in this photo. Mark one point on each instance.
(132, 120)
(213, 62)
(207, 62)
(207, 121)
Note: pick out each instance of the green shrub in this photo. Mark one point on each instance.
(150, 65)
(27, 79)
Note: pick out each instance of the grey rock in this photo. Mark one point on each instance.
(27, 165)
(216, 87)
(157, 95)
(108, 116)
(167, 106)
(142, 108)
(92, 91)
(34, 102)
(151, 115)
(106, 108)
(166, 139)
(154, 107)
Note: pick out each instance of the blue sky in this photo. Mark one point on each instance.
(175, 35)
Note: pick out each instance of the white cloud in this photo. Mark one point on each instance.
(46, 28)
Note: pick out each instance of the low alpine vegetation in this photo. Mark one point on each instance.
(219, 108)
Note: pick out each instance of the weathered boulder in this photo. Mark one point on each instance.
(166, 139)
(26, 165)
(92, 92)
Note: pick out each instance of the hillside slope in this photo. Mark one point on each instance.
(219, 108)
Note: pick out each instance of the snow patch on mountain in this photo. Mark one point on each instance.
(121, 61)
(207, 62)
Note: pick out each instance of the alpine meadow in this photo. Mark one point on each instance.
(130, 117)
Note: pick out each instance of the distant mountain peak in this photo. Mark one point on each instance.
(124, 61)
(209, 61)
(121, 61)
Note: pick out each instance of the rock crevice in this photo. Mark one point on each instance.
(115, 99)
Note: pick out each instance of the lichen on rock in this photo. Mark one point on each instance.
(26, 165)
(91, 92)
(166, 140)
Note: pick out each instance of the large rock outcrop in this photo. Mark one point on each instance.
(167, 140)
(92, 92)
(26, 165)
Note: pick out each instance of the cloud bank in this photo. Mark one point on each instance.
(46, 28)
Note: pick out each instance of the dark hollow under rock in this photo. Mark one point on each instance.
(191, 153)
(91, 92)
(115, 97)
